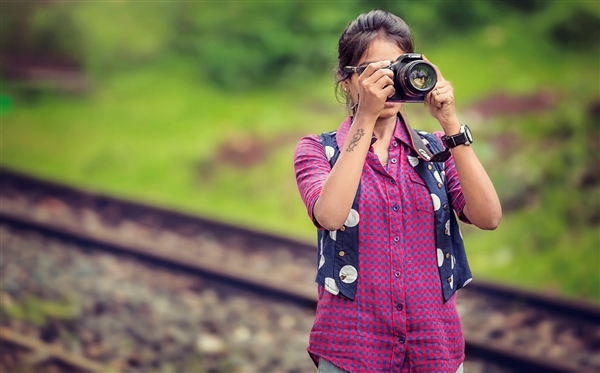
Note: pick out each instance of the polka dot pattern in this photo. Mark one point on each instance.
(353, 219)
(437, 177)
(321, 256)
(436, 201)
(413, 160)
(348, 274)
(331, 286)
(405, 262)
(329, 151)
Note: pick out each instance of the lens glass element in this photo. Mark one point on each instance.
(421, 76)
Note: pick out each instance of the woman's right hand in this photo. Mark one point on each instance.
(376, 84)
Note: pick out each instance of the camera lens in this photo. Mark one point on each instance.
(418, 77)
(421, 77)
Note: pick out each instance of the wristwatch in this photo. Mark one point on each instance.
(464, 137)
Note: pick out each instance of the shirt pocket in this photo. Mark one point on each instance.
(420, 196)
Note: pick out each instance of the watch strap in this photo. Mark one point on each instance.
(458, 139)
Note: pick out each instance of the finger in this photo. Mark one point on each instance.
(436, 99)
(440, 77)
(375, 67)
(384, 81)
(389, 91)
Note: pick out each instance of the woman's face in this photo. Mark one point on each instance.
(379, 50)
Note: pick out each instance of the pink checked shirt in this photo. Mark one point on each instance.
(398, 320)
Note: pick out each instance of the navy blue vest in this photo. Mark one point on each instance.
(338, 251)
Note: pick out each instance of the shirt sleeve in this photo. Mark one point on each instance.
(312, 168)
(454, 188)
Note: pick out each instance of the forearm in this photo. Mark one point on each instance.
(482, 206)
(333, 206)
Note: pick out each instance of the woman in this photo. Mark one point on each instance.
(390, 252)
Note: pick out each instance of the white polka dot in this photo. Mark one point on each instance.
(440, 257)
(467, 282)
(353, 218)
(443, 175)
(333, 235)
(451, 282)
(424, 132)
(348, 274)
(329, 151)
(437, 176)
(436, 201)
(425, 141)
(453, 261)
(414, 161)
(460, 233)
(424, 154)
(331, 286)
(448, 227)
(322, 259)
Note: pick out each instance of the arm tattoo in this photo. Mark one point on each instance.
(355, 139)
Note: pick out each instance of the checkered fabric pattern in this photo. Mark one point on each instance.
(398, 320)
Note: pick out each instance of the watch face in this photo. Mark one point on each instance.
(468, 134)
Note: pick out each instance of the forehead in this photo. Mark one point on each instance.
(380, 49)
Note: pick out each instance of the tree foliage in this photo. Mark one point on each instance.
(237, 44)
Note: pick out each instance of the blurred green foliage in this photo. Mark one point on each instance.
(199, 105)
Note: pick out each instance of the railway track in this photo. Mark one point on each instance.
(73, 303)
(515, 330)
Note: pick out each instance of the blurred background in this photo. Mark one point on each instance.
(198, 106)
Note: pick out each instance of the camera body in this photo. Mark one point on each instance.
(413, 78)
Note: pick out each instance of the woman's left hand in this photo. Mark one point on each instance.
(441, 103)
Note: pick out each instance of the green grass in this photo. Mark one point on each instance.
(148, 135)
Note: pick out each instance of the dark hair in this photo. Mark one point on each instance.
(359, 34)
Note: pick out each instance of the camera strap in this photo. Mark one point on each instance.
(421, 149)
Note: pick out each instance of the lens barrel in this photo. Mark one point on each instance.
(417, 78)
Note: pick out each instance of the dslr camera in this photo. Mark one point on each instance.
(413, 78)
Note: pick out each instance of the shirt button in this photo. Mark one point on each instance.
(445, 207)
(447, 255)
(342, 253)
(399, 307)
(392, 181)
(343, 228)
(449, 279)
(440, 185)
(394, 143)
(396, 238)
(393, 160)
(429, 167)
(397, 274)
(402, 339)
(396, 208)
